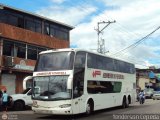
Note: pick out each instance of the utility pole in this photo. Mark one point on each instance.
(101, 42)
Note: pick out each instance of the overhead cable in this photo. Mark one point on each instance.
(136, 43)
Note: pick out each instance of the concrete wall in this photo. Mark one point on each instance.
(142, 82)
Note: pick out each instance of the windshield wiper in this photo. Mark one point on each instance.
(59, 98)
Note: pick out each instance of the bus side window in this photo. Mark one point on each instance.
(78, 78)
(78, 63)
(91, 61)
(92, 87)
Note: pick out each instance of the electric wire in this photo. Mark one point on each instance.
(136, 43)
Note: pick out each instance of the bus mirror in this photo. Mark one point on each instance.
(25, 81)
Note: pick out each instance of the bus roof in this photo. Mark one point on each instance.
(78, 49)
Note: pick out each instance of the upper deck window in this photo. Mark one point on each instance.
(55, 61)
(106, 63)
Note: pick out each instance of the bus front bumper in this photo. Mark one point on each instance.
(56, 111)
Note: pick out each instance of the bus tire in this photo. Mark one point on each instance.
(127, 103)
(89, 107)
(129, 99)
(124, 102)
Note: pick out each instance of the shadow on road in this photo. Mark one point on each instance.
(109, 111)
(77, 117)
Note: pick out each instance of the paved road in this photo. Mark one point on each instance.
(150, 107)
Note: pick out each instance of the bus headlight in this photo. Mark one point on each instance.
(35, 104)
(65, 105)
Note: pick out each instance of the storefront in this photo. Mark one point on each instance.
(23, 36)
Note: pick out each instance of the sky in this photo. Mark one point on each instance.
(125, 39)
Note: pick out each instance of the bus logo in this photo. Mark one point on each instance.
(113, 76)
(95, 73)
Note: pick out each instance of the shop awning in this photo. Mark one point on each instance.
(151, 75)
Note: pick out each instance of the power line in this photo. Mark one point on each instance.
(136, 43)
(123, 28)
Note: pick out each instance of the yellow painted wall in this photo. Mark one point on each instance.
(142, 81)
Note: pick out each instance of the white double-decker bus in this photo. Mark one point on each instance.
(73, 81)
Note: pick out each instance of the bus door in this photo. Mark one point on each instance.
(117, 86)
(78, 102)
(78, 82)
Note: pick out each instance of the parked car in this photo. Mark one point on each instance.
(148, 92)
(156, 95)
(20, 101)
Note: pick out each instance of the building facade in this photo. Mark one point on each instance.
(148, 78)
(22, 36)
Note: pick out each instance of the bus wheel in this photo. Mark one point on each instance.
(127, 103)
(124, 103)
(89, 109)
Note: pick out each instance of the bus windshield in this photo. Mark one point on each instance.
(55, 61)
(51, 88)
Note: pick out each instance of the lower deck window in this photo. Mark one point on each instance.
(94, 87)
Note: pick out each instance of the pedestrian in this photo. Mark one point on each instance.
(1, 93)
(141, 97)
(5, 100)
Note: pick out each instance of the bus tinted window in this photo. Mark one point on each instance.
(78, 78)
(109, 64)
(100, 62)
(94, 87)
(55, 61)
(106, 63)
(80, 60)
(91, 61)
